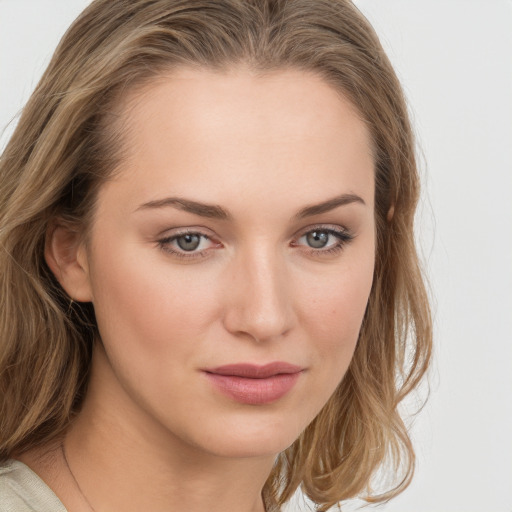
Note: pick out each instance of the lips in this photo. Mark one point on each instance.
(252, 384)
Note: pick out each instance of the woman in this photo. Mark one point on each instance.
(210, 291)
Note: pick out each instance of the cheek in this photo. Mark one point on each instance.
(143, 302)
(333, 311)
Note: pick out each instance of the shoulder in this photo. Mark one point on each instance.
(21, 490)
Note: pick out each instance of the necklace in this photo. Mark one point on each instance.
(63, 450)
(268, 508)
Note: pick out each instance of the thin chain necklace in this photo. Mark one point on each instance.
(63, 449)
(267, 507)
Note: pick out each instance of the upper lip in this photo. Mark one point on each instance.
(253, 371)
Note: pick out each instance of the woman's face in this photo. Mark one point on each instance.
(231, 258)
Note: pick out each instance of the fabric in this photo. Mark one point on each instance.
(21, 490)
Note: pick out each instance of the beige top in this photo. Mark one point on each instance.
(21, 490)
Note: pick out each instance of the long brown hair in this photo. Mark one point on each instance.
(66, 145)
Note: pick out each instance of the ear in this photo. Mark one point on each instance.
(391, 213)
(66, 256)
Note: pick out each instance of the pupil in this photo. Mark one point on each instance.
(188, 242)
(317, 239)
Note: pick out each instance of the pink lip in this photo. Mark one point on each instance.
(252, 384)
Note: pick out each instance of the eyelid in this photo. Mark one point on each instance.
(171, 231)
(336, 229)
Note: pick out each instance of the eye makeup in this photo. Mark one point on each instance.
(316, 241)
(324, 240)
(188, 244)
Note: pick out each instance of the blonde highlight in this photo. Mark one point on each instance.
(67, 143)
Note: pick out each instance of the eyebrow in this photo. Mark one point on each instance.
(213, 211)
(202, 209)
(329, 205)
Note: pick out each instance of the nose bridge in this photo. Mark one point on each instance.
(260, 302)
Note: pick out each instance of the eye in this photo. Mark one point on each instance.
(318, 239)
(324, 240)
(189, 244)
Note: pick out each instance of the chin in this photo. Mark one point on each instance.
(245, 447)
(249, 439)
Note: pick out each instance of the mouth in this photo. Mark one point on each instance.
(252, 384)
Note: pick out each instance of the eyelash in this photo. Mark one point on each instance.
(164, 245)
(343, 238)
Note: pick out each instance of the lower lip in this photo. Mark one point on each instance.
(254, 391)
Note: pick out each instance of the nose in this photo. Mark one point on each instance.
(259, 302)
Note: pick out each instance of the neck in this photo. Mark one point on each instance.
(146, 467)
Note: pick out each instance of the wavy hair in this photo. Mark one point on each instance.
(66, 144)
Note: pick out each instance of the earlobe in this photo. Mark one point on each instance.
(66, 257)
(391, 213)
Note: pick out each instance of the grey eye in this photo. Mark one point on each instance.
(188, 242)
(317, 239)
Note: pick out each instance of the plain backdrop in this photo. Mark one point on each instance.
(454, 60)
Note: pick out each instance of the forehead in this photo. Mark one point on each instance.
(218, 132)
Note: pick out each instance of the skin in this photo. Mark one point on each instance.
(263, 148)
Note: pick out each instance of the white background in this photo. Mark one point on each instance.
(454, 59)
